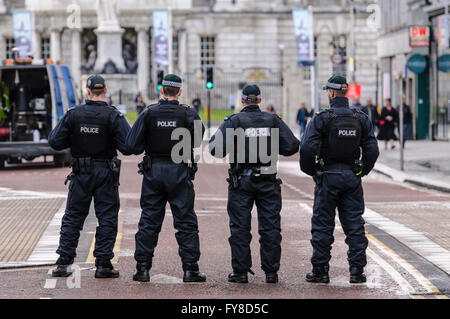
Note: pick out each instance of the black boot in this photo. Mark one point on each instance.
(192, 273)
(271, 277)
(357, 275)
(319, 274)
(105, 269)
(62, 270)
(142, 272)
(239, 277)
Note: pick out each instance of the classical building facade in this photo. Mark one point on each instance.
(246, 41)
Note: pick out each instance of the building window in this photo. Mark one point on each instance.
(9, 46)
(45, 48)
(207, 50)
(338, 54)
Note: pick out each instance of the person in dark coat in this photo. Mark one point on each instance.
(388, 118)
(407, 121)
(374, 117)
(302, 118)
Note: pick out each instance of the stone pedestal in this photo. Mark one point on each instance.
(127, 83)
(109, 47)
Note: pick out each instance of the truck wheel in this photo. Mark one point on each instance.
(2, 163)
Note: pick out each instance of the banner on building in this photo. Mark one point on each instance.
(442, 32)
(354, 91)
(419, 36)
(22, 33)
(161, 33)
(304, 36)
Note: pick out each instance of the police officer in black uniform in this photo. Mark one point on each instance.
(94, 131)
(166, 179)
(338, 149)
(253, 180)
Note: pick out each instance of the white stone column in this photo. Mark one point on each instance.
(76, 56)
(143, 71)
(55, 44)
(2, 7)
(182, 51)
(36, 40)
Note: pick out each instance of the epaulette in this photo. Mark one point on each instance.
(151, 105)
(361, 112)
(228, 117)
(324, 111)
(117, 110)
(185, 105)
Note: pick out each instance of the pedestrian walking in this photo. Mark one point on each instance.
(166, 180)
(303, 117)
(271, 109)
(93, 131)
(140, 104)
(338, 149)
(197, 103)
(253, 180)
(388, 119)
(374, 117)
(407, 121)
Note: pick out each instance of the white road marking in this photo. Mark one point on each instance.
(165, 279)
(407, 266)
(45, 249)
(416, 241)
(401, 281)
(10, 194)
(295, 189)
(406, 287)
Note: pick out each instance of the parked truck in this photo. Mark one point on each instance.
(34, 97)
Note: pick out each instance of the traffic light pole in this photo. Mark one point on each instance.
(209, 114)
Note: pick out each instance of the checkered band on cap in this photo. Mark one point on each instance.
(172, 84)
(246, 98)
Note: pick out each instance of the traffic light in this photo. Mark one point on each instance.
(159, 79)
(209, 77)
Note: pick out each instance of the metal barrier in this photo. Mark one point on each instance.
(228, 84)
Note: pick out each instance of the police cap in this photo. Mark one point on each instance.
(251, 93)
(95, 82)
(172, 80)
(337, 82)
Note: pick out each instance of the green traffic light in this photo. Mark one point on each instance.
(159, 87)
(209, 85)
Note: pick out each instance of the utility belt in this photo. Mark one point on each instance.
(332, 169)
(146, 165)
(257, 174)
(86, 165)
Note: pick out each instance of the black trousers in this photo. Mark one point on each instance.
(101, 185)
(267, 197)
(341, 190)
(167, 182)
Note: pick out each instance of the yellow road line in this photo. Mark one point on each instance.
(407, 266)
(91, 259)
(399, 279)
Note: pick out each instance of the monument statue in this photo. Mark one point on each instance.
(109, 38)
(107, 14)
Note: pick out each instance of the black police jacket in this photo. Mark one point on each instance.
(288, 143)
(139, 139)
(93, 129)
(316, 132)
